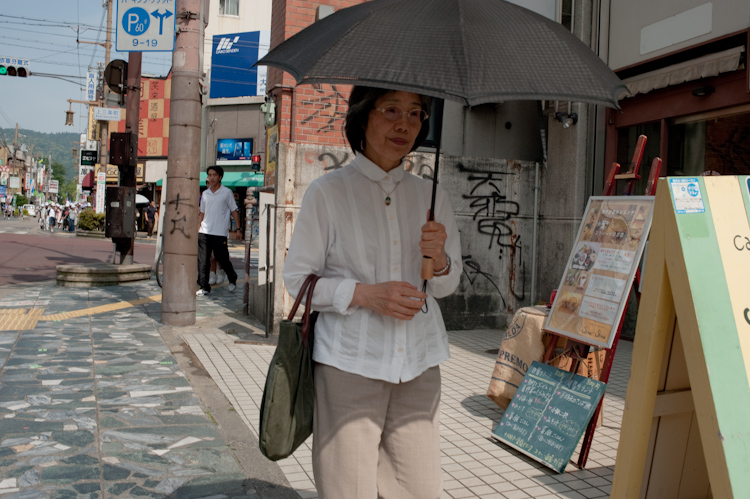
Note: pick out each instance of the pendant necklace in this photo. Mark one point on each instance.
(387, 194)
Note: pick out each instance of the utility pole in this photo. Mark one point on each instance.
(104, 145)
(183, 169)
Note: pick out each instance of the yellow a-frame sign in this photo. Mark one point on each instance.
(686, 424)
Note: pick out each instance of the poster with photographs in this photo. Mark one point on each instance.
(597, 278)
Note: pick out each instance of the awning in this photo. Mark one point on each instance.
(235, 179)
(88, 181)
(702, 67)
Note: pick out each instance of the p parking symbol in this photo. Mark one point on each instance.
(136, 21)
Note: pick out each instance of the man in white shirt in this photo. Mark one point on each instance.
(217, 202)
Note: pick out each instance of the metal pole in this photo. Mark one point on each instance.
(183, 171)
(126, 246)
(269, 294)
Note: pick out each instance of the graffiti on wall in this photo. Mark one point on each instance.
(494, 217)
(416, 164)
(178, 223)
(329, 104)
(329, 160)
(419, 165)
(473, 269)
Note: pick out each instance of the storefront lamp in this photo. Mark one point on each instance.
(567, 120)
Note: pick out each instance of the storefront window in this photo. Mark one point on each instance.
(720, 144)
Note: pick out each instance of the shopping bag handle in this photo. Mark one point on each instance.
(307, 287)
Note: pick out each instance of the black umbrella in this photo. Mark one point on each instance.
(471, 51)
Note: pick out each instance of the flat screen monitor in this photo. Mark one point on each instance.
(234, 151)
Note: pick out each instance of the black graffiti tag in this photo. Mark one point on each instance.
(492, 211)
(336, 163)
(475, 270)
(330, 104)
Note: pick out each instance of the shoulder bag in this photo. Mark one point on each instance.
(286, 411)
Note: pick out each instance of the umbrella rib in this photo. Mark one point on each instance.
(464, 48)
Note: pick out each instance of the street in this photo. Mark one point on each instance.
(29, 254)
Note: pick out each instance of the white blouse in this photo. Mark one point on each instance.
(346, 233)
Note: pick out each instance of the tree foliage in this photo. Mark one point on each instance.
(58, 145)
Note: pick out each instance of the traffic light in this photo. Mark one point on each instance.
(13, 67)
(255, 166)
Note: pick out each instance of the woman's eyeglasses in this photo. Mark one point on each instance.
(395, 113)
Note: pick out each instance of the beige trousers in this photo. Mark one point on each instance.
(374, 439)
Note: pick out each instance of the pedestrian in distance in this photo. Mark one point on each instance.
(72, 219)
(150, 213)
(379, 340)
(217, 204)
(51, 217)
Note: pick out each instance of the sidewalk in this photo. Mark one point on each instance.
(109, 402)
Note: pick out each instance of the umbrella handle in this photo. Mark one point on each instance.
(428, 266)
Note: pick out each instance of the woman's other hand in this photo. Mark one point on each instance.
(397, 299)
(432, 243)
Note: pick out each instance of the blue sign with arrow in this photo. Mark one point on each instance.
(161, 18)
(137, 29)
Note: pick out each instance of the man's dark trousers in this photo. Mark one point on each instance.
(218, 245)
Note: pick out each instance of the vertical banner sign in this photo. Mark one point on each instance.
(596, 281)
(91, 86)
(101, 186)
(27, 182)
(272, 146)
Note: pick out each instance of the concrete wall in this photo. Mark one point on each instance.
(674, 25)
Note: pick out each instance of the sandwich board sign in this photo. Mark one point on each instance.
(596, 283)
(685, 425)
(548, 414)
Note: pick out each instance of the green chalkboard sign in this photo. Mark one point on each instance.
(548, 414)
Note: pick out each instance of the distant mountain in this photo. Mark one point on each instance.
(59, 145)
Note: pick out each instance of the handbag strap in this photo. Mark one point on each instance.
(301, 293)
(308, 310)
(307, 288)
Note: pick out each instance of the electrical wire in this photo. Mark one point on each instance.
(101, 22)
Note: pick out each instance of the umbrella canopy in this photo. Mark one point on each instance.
(471, 51)
(141, 199)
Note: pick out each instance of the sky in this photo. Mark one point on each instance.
(45, 33)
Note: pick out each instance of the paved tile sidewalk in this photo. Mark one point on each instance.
(474, 465)
(96, 406)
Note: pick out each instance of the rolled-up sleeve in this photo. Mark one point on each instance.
(441, 286)
(307, 255)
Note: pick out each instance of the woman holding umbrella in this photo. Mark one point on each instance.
(377, 381)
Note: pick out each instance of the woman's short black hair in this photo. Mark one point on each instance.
(361, 102)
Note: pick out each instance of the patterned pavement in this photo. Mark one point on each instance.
(95, 405)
